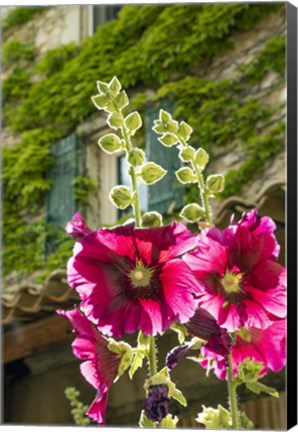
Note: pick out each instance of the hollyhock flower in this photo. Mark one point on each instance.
(134, 279)
(266, 346)
(205, 327)
(156, 406)
(77, 227)
(243, 283)
(101, 365)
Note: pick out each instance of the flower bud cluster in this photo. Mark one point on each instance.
(113, 100)
(174, 133)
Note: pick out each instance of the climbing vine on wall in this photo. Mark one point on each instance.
(132, 47)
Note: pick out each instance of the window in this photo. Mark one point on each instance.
(104, 13)
(60, 199)
(167, 194)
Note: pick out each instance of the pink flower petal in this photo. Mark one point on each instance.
(179, 286)
(98, 408)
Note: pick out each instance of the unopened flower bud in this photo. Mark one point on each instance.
(215, 183)
(102, 87)
(121, 100)
(121, 197)
(110, 143)
(136, 157)
(185, 175)
(115, 120)
(133, 122)
(168, 140)
(151, 219)
(114, 86)
(184, 131)
(151, 173)
(249, 370)
(187, 154)
(201, 158)
(192, 212)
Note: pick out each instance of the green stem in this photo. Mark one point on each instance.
(204, 195)
(152, 357)
(132, 172)
(232, 386)
(203, 192)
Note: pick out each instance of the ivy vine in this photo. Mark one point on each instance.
(132, 47)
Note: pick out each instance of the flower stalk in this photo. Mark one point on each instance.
(232, 386)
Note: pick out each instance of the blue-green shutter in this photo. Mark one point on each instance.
(60, 199)
(166, 194)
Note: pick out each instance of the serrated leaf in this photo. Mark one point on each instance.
(143, 340)
(258, 387)
(137, 362)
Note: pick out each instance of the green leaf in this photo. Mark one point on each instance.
(169, 422)
(110, 143)
(152, 173)
(144, 422)
(192, 212)
(115, 86)
(143, 341)
(121, 197)
(258, 387)
(168, 140)
(133, 122)
(185, 175)
(246, 423)
(137, 362)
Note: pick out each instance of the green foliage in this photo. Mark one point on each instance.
(54, 60)
(78, 408)
(14, 51)
(15, 87)
(19, 16)
(82, 187)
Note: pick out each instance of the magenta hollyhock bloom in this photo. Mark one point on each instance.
(266, 346)
(134, 279)
(100, 367)
(244, 285)
(77, 227)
